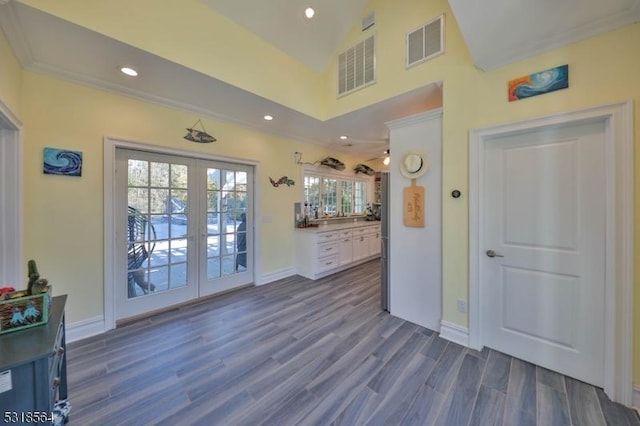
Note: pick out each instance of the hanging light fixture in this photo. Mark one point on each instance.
(387, 159)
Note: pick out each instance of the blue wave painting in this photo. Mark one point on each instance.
(62, 162)
(539, 83)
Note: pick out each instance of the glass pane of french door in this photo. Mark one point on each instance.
(227, 263)
(156, 196)
(157, 223)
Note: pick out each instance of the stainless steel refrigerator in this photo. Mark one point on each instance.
(384, 257)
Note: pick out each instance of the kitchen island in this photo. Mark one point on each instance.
(329, 248)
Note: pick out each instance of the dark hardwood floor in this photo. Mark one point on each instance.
(313, 353)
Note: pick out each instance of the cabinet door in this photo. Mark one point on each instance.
(375, 243)
(327, 249)
(360, 247)
(346, 251)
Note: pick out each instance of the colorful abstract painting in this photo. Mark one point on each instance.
(62, 162)
(539, 83)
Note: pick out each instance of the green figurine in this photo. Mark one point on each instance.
(36, 284)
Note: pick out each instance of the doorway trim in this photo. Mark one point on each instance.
(11, 197)
(111, 144)
(618, 120)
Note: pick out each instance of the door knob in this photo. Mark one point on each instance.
(492, 253)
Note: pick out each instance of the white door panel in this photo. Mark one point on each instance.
(545, 213)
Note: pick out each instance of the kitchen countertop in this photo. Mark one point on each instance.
(339, 226)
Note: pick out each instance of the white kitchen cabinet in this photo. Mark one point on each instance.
(375, 241)
(360, 246)
(327, 249)
(346, 247)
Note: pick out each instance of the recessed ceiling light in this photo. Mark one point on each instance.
(309, 12)
(268, 117)
(343, 137)
(129, 71)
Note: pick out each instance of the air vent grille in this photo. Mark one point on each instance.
(426, 42)
(356, 67)
(369, 21)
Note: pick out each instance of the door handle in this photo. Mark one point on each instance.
(492, 253)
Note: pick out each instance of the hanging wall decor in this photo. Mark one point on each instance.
(334, 163)
(363, 168)
(62, 162)
(539, 83)
(413, 166)
(282, 181)
(200, 136)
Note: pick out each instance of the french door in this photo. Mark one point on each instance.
(184, 229)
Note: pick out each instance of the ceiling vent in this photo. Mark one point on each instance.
(356, 67)
(425, 42)
(369, 21)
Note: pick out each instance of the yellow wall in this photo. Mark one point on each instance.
(63, 215)
(603, 69)
(10, 76)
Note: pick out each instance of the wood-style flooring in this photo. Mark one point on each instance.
(313, 353)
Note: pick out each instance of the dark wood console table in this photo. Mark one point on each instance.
(33, 367)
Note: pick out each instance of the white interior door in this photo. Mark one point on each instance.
(542, 293)
(183, 229)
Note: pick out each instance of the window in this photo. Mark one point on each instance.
(332, 195)
(360, 198)
(329, 205)
(347, 197)
(311, 193)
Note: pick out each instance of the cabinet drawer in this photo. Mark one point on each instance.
(323, 237)
(346, 233)
(373, 230)
(359, 231)
(328, 263)
(327, 249)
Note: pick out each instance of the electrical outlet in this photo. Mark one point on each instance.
(462, 306)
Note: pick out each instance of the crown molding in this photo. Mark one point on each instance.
(498, 58)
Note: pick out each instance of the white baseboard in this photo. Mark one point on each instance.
(454, 333)
(83, 329)
(275, 276)
(636, 398)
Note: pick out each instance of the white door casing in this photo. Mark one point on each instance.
(617, 303)
(111, 277)
(11, 264)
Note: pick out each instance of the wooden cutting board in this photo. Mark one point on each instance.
(413, 199)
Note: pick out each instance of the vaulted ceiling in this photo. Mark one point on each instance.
(497, 32)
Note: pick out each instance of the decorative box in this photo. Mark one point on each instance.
(24, 312)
